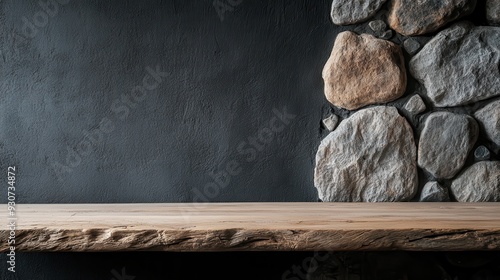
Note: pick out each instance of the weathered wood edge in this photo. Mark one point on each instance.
(101, 240)
(255, 227)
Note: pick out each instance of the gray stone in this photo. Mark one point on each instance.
(445, 142)
(345, 12)
(377, 26)
(482, 153)
(493, 12)
(415, 105)
(460, 65)
(369, 157)
(411, 45)
(363, 70)
(411, 17)
(489, 118)
(478, 183)
(386, 35)
(433, 192)
(331, 122)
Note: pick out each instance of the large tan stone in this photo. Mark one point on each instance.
(363, 70)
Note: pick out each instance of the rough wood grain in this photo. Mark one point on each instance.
(256, 226)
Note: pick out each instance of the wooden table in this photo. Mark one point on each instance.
(254, 227)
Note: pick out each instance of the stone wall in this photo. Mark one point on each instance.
(415, 103)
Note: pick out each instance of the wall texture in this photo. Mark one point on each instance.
(225, 72)
(78, 130)
(163, 101)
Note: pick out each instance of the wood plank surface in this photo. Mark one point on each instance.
(255, 227)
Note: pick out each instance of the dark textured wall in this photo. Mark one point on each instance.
(84, 120)
(166, 101)
(221, 83)
(78, 131)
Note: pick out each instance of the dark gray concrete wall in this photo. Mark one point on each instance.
(221, 81)
(78, 129)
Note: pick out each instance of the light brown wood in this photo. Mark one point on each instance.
(255, 226)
